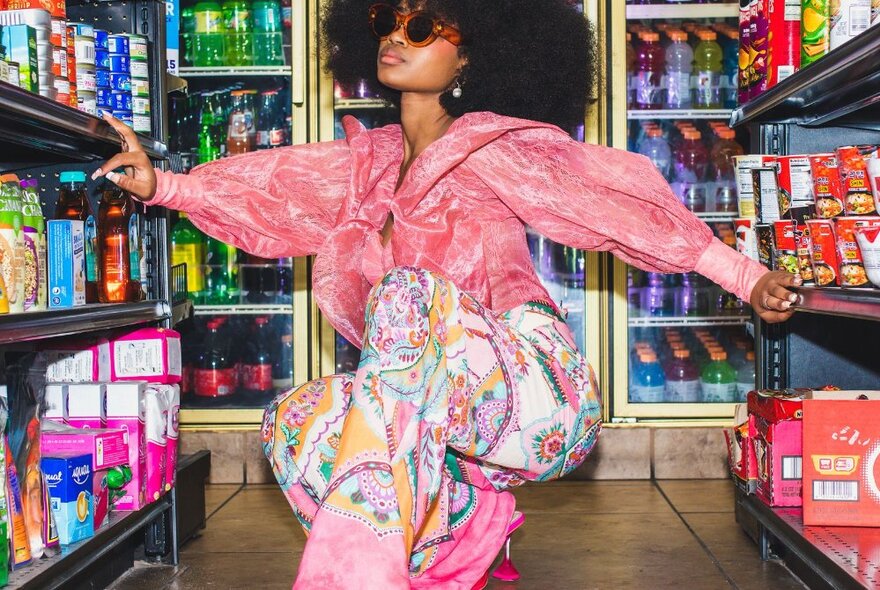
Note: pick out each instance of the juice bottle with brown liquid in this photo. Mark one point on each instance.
(114, 252)
(73, 203)
(242, 134)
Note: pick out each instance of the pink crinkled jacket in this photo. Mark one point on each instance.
(461, 211)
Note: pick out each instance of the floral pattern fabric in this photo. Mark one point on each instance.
(398, 473)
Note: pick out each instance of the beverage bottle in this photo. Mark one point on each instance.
(271, 125)
(268, 39)
(691, 160)
(34, 229)
(187, 30)
(707, 70)
(693, 296)
(723, 153)
(729, 41)
(218, 104)
(188, 247)
(238, 22)
(256, 366)
(215, 374)
(730, 304)
(241, 135)
(659, 296)
(649, 384)
(73, 203)
(679, 67)
(630, 69)
(634, 287)
(682, 378)
(745, 377)
(114, 251)
(649, 73)
(208, 38)
(657, 150)
(222, 272)
(12, 246)
(282, 367)
(718, 379)
(209, 149)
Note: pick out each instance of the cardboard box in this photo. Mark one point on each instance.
(69, 480)
(107, 446)
(151, 354)
(841, 448)
(67, 263)
(126, 410)
(57, 8)
(777, 438)
(21, 46)
(86, 405)
(77, 362)
(741, 451)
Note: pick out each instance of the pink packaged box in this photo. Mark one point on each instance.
(107, 446)
(85, 405)
(55, 402)
(776, 432)
(157, 441)
(75, 362)
(126, 410)
(172, 411)
(148, 354)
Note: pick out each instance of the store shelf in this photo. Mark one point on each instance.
(659, 114)
(716, 216)
(836, 89)
(854, 303)
(682, 11)
(229, 71)
(181, 311)
(245, 309)
(54, 572)
(692, 322)
(36, 325)
(360, 103)
(40, 131)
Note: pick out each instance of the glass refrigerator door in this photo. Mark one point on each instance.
(683, 347)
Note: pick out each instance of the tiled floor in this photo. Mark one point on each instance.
(578, 535)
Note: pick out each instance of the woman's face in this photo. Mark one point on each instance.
(430, 70)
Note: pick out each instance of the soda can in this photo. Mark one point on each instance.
(140, 70)
(119, 64)
(86, 102)
(140, 87)
(85, 77)
(101, 39)
(102, 78)
(84, 49)
(137, 47)
(84, 30)
(142, 123)
(102, 58)
(140, 105)
(120, 101)
(117, 44)
(124, 116)
(103, 98)
(120, 82)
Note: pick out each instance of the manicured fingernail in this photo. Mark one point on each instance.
(96, 174)
(786, 304)
(793, 297)
(111, 176)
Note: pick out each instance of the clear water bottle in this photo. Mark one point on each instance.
(656, 149)
(745, 377)
(679, 68)
(691, 161)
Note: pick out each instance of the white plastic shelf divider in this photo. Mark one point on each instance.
(664, 114)
(687, 322)
(244, 309)
(360, 103)
(193, 72)
(682, 11)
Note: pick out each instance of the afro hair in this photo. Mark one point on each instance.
(532, 59)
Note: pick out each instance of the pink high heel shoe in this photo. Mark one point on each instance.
(505, 571)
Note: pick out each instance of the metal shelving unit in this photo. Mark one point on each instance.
(229, 71)
(687, 322)
(360, 103)
(681, 11)
(244, 309)
(666, 114)
(852, 303)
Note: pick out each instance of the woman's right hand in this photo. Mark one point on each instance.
(140, 178)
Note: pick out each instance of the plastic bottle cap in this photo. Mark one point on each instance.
(655, 132)
(677, 35)
(648, 357)
(726, 133)
(676, 346)
(261, 321)
(750, 355)
(682, 353)
(73, 176)
(718, 355)
(650, 37)
(9, 178)
(691, 134)
(707, 35)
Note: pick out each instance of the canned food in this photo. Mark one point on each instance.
(117, 44)
(140, 70)
(101, 39)
(140, 87)
(119, 64)
(120, 82)
(141, 123)
(120, 101)
(85, 101)
(58, 36)
(84, 49)
(124, 116)
(104, 98)
(102, 78)
(137, 47)
(140, 105)
(84, 30)
(102, 58)
(85, 77)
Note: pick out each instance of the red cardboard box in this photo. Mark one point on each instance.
(841, 448)
(776, 436)
(741, 451)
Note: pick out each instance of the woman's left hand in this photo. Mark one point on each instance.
(772, 298)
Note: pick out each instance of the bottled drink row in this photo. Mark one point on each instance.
(691, 366)
(679, 295)
(74, 258)
(235, 33)
(220, 274)
(211, 125)
(682, 66)
(697, 159)
(216, 365)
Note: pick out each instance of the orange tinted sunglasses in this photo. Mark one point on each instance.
(419, 28)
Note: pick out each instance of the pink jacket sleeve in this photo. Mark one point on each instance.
(273, 203)
(598, 198)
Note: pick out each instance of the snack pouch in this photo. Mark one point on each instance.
(827, 189)
(852, 267)
(853, 170)
(823, 248)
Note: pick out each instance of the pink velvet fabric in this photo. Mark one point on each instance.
(461, 211)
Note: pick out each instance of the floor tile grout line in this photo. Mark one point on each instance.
(225, 502)
(696, 536)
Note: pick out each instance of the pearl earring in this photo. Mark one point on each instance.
(456, 92)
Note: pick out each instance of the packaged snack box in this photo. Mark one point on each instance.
(776, 435)
(741, 450)
(826, 185)
(148, 354)
(823, 247)
(69, 479)
(852, 266)
(853, 170)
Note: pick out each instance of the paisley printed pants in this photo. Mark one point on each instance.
(398, 472)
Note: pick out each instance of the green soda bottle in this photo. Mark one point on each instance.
(239, 24)
(187, 30)
(718, 380)
(222, 276)
(188, 247)
(208, 36)
(268, 33)
(708, 69)
(209, 148)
